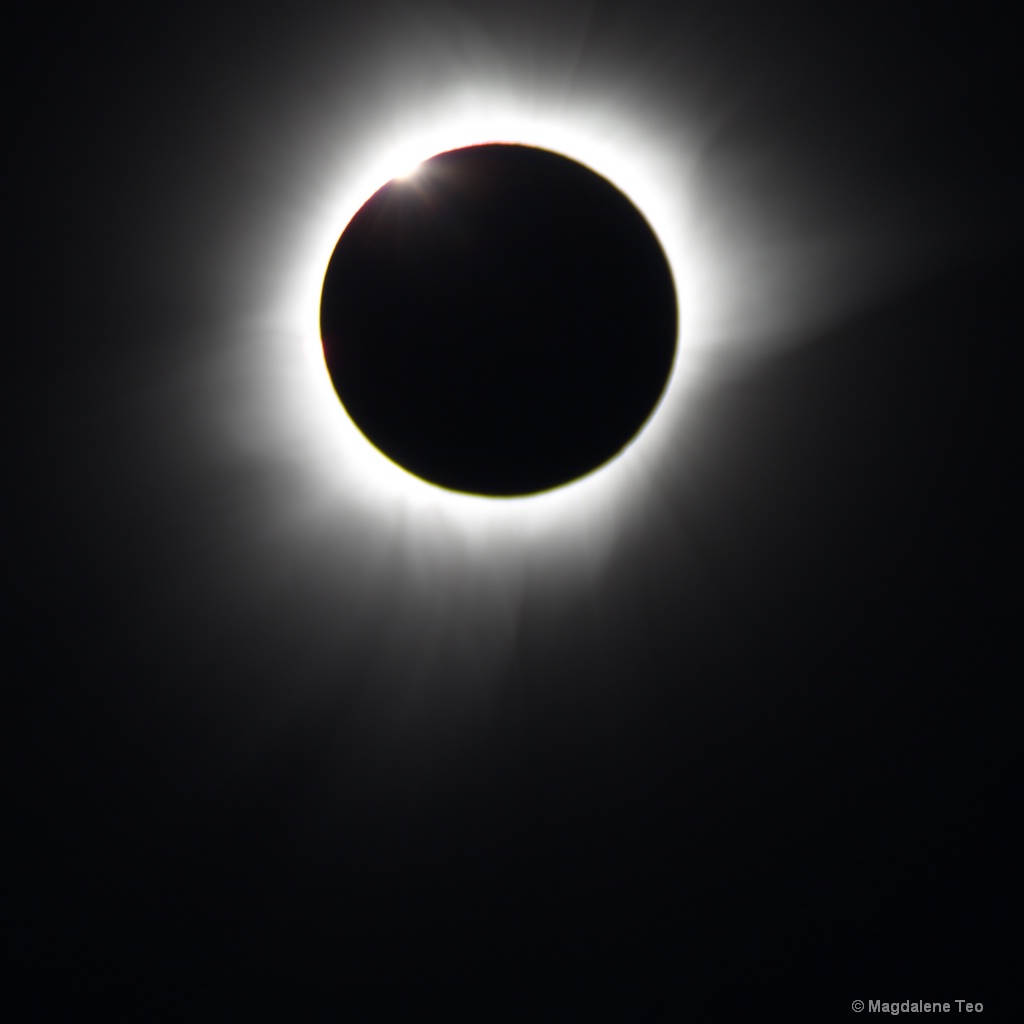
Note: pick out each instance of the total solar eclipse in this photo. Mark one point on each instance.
(500, 322)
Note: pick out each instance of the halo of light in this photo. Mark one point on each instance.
(435, 575)
(599, 138)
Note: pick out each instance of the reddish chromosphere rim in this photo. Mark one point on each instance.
(501, 322)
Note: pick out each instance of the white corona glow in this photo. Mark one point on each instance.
(439, 578)
(734, 289)
(606, 141)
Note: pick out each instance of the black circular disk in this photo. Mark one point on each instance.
(501, 322)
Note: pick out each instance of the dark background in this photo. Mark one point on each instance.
(779, 769)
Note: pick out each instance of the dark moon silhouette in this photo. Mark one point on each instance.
(501, 322)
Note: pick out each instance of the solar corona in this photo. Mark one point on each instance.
(501, 460)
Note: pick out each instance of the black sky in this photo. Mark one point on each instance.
(765, 758)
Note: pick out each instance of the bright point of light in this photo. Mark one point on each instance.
(404, 173)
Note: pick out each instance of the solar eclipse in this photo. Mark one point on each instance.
(444, 665)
